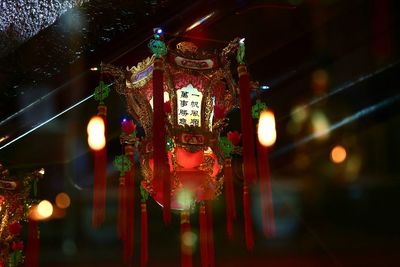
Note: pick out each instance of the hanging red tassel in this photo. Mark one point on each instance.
(161, 168)
(248, 221)
(121, 215)
(32, 251)
(249, 161)
(203, 237)
(100, 178)
(144, 256)
(265, 191)
(210, 235)
(206, 236)
(128, 238)
(186, 245)
(230, 197)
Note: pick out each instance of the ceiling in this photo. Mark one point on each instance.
(329, 63)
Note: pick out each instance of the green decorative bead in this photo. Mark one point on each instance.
(158, 47)
(101, 92)
(226, 146)
(122, 164)
(257, 108)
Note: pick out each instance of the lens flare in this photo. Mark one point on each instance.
(266, 128)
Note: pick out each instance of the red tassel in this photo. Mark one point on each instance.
(265, 190)
(144, 255)
(206, 236)
(128, 238)
(121, 215)
(230, 197)
(161, 168)
(249, 161)
(100, 178)
(186, 246)
(248, 222)
(32, 251)
(203, 237)
(210, 235)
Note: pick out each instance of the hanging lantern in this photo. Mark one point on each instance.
(15, 203)
(181, 96)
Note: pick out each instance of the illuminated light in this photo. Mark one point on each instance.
(264, 87)
(63, 200)
(44, 209)
(199, 21)
(94, 69)
(266, 128)
(338, 154)
(42, 171)
(319, 81)
(242, 40)
(300, 114)
(158, 31)
(4, 138)
(320, 124)
(185, 198)
(95, 130)
(189, 239)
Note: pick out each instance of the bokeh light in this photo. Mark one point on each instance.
(320, 124)
(63, 200)
(338, 154)
(95, 130)
(42, 211)
(266, 128)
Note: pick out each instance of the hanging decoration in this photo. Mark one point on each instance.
(180, 96)
(15, 203)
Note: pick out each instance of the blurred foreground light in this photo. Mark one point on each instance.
(95, 130)
(321, 125)
(94, 69)
(338, 154)
(63, 200)
(266, 128)
(42, 211)
(189, 239)
(45, 209)
(42, 171)
(264, 87)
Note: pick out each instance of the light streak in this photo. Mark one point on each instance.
(359, 114)
(45, 122)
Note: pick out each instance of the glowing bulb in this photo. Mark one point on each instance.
(266, 128)
(63, 200)
(42, 171)
(95, 130)
(338, 154)
(242, 40)
(264, 87)
(45, 209)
